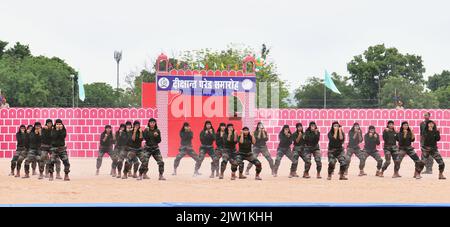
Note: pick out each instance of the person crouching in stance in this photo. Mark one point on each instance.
(336, 153)
(246, 140)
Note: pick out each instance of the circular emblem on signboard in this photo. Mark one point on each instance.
(163, 83)
(247, 84)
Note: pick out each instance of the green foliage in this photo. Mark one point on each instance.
(30, 81)
(412, 95)
(311, 95)
(379, 63)
(439, 80)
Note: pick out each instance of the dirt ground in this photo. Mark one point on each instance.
(85, 187)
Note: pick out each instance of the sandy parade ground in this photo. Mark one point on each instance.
(85, 187)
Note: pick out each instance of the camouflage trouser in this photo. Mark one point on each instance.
(282, 151)
(22, 156)
(15, 158)
(207, 150)
(265, 152)
(374, 154)
(359, 154)
(101, 152)
(121, 153)
(240, 162)
(61, 153)
(428, 162)
(306, 156)
(335, 155)
(389, 152)
(296, 153)
(434, 153)
(145, 158)
(218, 152)
(409, 150)
(228, 155)
(182, 152)
(132, 160)
(33, 156)
(45, 158)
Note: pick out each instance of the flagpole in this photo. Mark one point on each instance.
(324, 96)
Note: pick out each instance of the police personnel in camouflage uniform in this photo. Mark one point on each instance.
(284, 147)
(355, 137)
(34, 154)
(429, 161)
(371, 141)
(186, 136)
(58, 149)
(299, 144)
(430, 138)
(107, 139)
(220, 145)
(134, 146)
(246, 140)
(311, 148)
(390, 145)
(120, 149)
(405, 138)
(22, 143)
(152, 137)
(261, 147)
(336, 153)
(229, 151)
(207, 137)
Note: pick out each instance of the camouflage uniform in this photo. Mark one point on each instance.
(34, 154)
(283, 149)
(21, 151)
(151, 149)
(220, 145)
(390, 148)
(404, 142)
(134, 151)
(106, 147)
(186, 148)
(336, 153)
(245, 153)
(428, 161)
(353, 148)
(370, 149)
(46, 142)
(430, 148)
(229, 152)
(297, 151)
(207, 148)
(261, 147)
(58, 150)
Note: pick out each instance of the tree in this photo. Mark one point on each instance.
(19, 51)
(443, 96)
(439, 80)
(378, 64)
(30, 81)
(411, 94)
(311, 95)
(231, 58)
(99, 95)
(3, 44)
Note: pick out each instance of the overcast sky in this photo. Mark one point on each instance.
(305, 37)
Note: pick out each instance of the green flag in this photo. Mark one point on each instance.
(330, 84)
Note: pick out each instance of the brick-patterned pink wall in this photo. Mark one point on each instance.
(84, 125)
(274, 119)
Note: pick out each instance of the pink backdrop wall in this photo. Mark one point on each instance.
(85, 125)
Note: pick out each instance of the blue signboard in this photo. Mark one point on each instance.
(204, 85)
